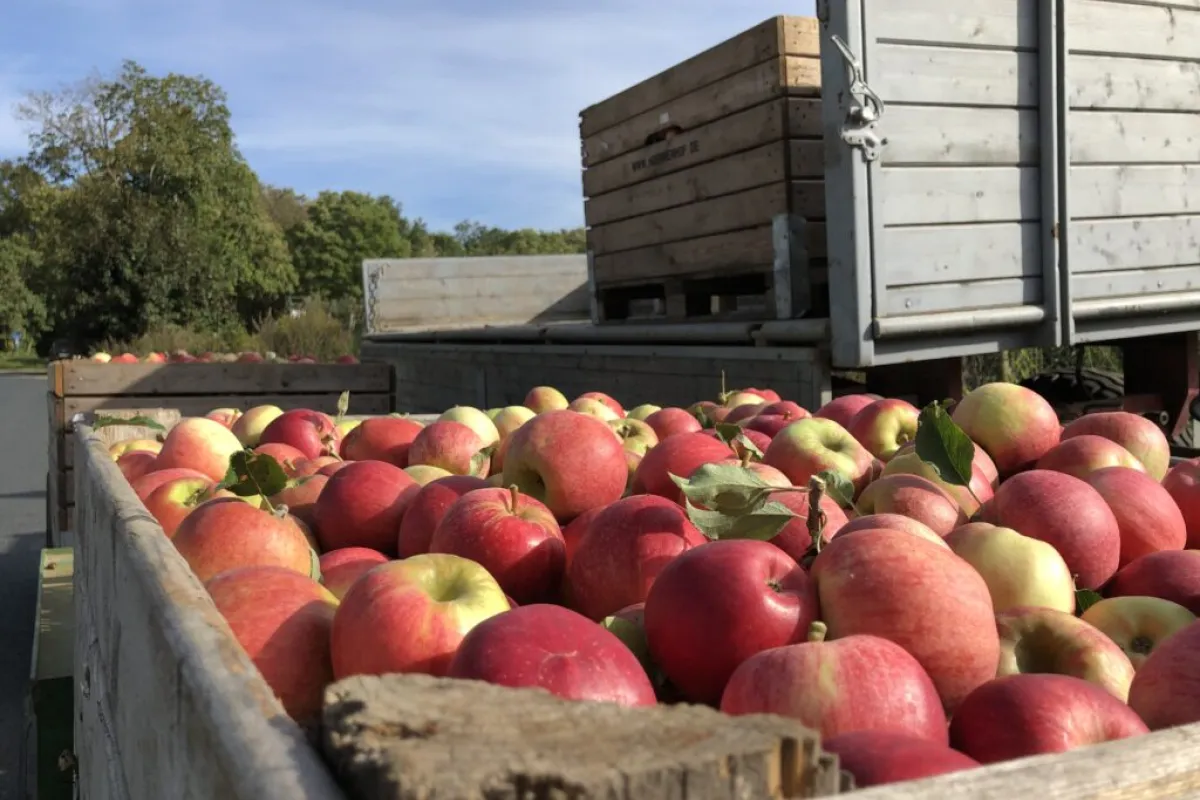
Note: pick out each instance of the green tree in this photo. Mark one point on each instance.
(21, 309)
(157, 218)
(285, 207)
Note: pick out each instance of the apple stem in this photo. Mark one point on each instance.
(746, 456)
(817, 631)
(816, 515)
(514, 494)
(279, 511)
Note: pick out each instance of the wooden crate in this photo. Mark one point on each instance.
(76, 387)
(169, 705)
(703, 185)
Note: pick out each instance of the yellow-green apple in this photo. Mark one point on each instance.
(101, 358)
(884, 426)
(556, 649)
(300, 496)
(424, 474)
(362, 506)
(635, 436)
(813, 445)
(146, 484)
(175, 499)
(341, 568)
(1183, 484)
(1026, 715)
(509, 418)
(1147, 516)
(282, 620)
(643, 411)
(569, 461)
(1019, 570)
(249, 426)
(1170, 574)
(411, 615)
(794, 538)
(912, 496)
(984, 478)
(882, 757)
(894, 522)
(612, 404)
(452, 446)
(474, 419)
(1082, 455)
(593, 408)
(285, 455)
(1015, 425)
(712, 607)
(1166, 691)
(512, 536)
(381, 439)
(626, 546)
(311, 432)
(545, 398)
(670, 421)
(117, 449)
(833, 687)
(768, 395)
(225, 416)
(156, 358)
(227, 532)
(1138, 624)
(743, 398)
(914, 593)
(427, 508)
(492, 412)
(200, 444)
(1135, 433)
(136, 463)
(842, 410)
(678, 455)
(1046, 640)
(1066, 512)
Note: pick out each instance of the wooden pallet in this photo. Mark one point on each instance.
(83, 387)
(707, 179)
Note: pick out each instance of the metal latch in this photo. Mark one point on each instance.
(862, 117)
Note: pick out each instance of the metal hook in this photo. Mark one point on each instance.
(858, 83)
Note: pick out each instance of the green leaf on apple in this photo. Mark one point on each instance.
(727, 432)
(1085, 599)
(482, 459)
(749, 446)
(99, 422)
(314, 566)
(941, 444)
(725, 488)
(838, 487)
(253, 473)
(762, 523)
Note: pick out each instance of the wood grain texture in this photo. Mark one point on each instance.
(69, 378)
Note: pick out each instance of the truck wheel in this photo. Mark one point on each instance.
(1065, 389)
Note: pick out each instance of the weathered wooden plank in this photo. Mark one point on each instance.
(472, 267)
(1134, 190)
(945, 253)
(1110, 137)
(772, 38)
(90, 378)
(1102, 82)
(744, 130)
(1135, 283)
(787, 75)
(150, 646)
(1136, 29)
(975, 136)
(977, 23)
(1134, 243)
(718, 215)
(961, 296)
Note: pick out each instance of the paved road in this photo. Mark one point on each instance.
(23, 434)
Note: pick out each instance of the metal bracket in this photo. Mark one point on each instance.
(371, 300)
(863, 115)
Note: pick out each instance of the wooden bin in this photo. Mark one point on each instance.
(703, 185)
(191, 389)
(169, 705)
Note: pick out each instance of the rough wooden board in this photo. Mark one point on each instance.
(168, 703)
(981, 23)
(1159, 29)
(400, 737)
(786, 75)
(966, 136)
(69, 378)
(769, 39)
(1113, 137)
(944, 254)
(744, 130)
(1134, 243)
(961, 296)
(1135, 282)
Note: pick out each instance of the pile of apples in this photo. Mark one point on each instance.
(922, 617)
(184, 357)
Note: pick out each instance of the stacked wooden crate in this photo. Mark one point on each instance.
(192, 389)
(703, 185)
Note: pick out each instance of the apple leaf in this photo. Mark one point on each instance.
(99, 422)
(727, 432)
(749, 446)
(481, 460)
(762, 523)
(253, 473)
(343, 405)
(838, 487)
(314, 566)
(725, 488)
(1085, 599)
(941, 444)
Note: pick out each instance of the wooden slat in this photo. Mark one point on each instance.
(920, 135)
(769, 39)
(787, 75)
(1133, 243)
(1134, 190)
(945, 253)
(962, 296)
(744, 130)
(977, 23)
(1159, 30)
(1135, 283)
(89, 378)
(1107, 137)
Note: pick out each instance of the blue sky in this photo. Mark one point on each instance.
(458, 108)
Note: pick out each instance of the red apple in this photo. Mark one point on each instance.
(914, 593)
(225, 416)
(713, 607)
(544, 398)
(1166, 690)
(1015, 425)
(311, 432)
(452, 446)
(200, 444)
(313, 466)
(1170, 574)
(146, 484)
(174, 500)
(894, 522)
(362, 505)
(794, 538)
(381, 439)
(679, 455)
(915, 497)
(555, 649)
(1066, 512)
(612, 404)
(768, 424)
(625, 548)
(282, 620)
(136, 463)
(411, 615)
(331, 468)
(345, 359)
(842, 410)
(671, 421)
(228, 532)
(877, 758)
(1147, 516)
(1082, 455)
(768, 395)
(341, 568)
(512, 536)
(740, 414)
(884, 426)
(285, 455)
(1183, 484)
(569, 461)
(1025, 715)
(813, 445)
(784, 408)
(1135, 433)
(757, 438)
(300, 496)
(834, 687)
(427, 508)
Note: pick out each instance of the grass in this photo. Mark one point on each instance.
(21, 362)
